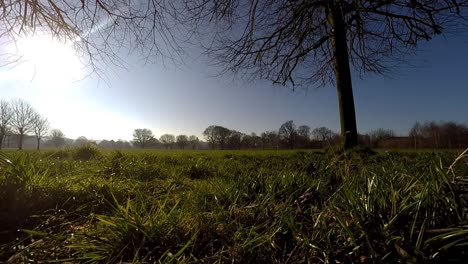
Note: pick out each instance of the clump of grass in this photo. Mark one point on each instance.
(199, 170)
(86, 152)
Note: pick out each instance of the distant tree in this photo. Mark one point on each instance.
(210, 135)
(80, 141)
(182, 141)
(288, 132)
(193, 141)
(303, 42)
(40, 128)
(167, 140)
(265, 141)
(122, 144)
(439, 135)
(431, 131)
(234, 140)
(57, 137)
(303, 131)
(6, 115)
(324, 135)
(247, 141)
(256, 140)
(23, 119)
(216, 136)
(270, 139)
(222, 135)
(303, 136)
(380, 134)
(416, 134)
(142, 137)
(452, 134)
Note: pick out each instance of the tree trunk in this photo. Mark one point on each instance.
(38, 143)
(1, 140)
(343, 76)
(20, 141)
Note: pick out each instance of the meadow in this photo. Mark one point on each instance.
(88, 205)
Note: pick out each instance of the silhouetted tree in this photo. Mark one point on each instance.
(193, 141)
(222, 135)
(210, 135)
(287, 131)
(216, 136)
(303, 131)
(142, 137)
(6, 114)
(23, 119)
(324, 135)
(57, 137)
(167, 140)
(305, 41)
(235, 139)
(303, 136)
(40, 128)
(182, 141)
(270, 139)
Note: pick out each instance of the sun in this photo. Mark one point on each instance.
(48, 61)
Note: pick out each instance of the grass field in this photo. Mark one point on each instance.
(89, 205)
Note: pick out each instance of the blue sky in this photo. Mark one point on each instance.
(187, 99)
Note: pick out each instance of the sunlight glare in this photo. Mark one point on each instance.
(48, 62)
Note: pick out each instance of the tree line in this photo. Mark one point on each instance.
(20, 123)
(289, 136)
(144, 138)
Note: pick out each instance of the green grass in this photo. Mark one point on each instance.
(89, 205)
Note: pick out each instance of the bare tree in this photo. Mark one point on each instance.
(40, 128)
(193, 141)
(57, 137)
(182, 141)
(304, 131)
(302, 42)
(23, 119)
(323, 134)
(287, 131)
(6, 114)
(167, 140)
(380, 134)
(303, 136)
(416, 134)
(142, 137)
